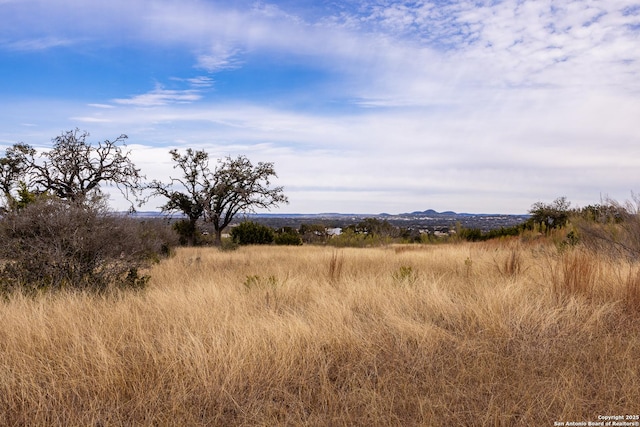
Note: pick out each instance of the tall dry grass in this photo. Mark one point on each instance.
(466, 334)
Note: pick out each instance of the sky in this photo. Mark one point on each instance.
(481, 106)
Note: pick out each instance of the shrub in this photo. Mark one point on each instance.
(157, 236)
(405, 275)
(255, 281)
(548, 216)
(613, 230)
(350, 238)
(477, 235)
(187, 231)
(287, 236)
(252, 233)
(53, 244)
(314, 233)
(471, 234)
(228, 245)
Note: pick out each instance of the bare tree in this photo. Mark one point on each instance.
(191, 199)
(238, 186)
(217, 196)
(73, 169)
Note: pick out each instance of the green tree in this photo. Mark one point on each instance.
(375, 227)
(287, 236)
(252, 233)
(25, 196)
(13, 173)
(550, 216)
(611, 211)
(313, 233)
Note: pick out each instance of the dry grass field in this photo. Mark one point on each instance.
(504, 334)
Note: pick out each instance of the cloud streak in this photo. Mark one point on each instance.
(37, 44)
(160, 96)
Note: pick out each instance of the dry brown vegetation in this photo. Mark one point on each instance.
(490, 333)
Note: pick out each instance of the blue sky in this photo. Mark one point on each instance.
(363, 106)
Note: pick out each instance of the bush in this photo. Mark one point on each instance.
(614, 230)
(477, 235)
(228, 245)
(52, 244)
(157, 236)
(187, 231)
(314, 233)
(374, 227)
(549, 216)
(353, 239)
(288, 236)
(252, 233)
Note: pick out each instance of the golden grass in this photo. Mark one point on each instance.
(466, 334)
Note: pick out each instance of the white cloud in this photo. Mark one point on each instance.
(86, 119)
(218, 57)
(160, 96)
(37, 44)
(200, 81)
(100, 105)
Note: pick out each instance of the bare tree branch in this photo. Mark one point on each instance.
(217, 196)
(74, 168)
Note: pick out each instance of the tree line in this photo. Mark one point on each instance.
(58, 231)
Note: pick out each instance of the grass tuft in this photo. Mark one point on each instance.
(335, 266)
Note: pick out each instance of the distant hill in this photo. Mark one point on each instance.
(431, 212)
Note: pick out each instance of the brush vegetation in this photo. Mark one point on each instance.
(503, 332)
